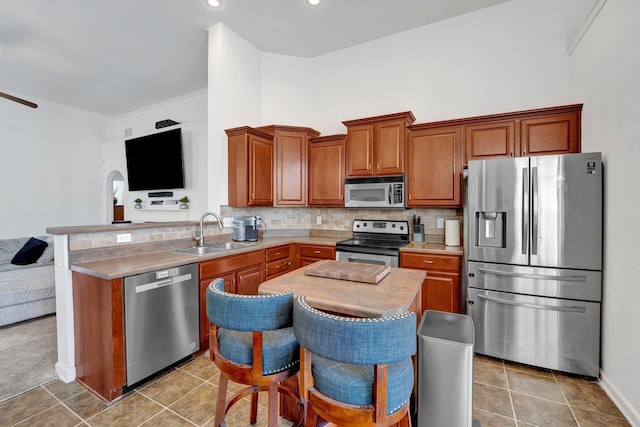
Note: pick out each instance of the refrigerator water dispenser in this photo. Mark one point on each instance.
(490, 228)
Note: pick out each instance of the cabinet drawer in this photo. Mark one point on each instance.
(277, 268)
(430, 262)
(317, 251)
(277, 253)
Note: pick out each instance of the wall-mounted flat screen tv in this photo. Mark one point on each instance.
(154, 162)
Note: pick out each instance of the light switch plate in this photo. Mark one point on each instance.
(440, 223)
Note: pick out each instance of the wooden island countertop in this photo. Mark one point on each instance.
(398, 292)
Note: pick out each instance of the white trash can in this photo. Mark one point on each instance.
(445, 370)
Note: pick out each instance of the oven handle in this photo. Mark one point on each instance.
(572, 309)
(534, 276)
(365, 261)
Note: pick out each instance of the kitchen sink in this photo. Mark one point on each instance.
(214, 247)
(229, 245)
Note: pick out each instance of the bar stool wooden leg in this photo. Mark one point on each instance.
(254, 407)
(220, 401)
(273, 405)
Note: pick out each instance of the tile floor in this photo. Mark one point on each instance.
(505, 394)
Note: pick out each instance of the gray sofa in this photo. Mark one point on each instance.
(26, 291)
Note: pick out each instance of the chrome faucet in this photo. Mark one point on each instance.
(200, 238)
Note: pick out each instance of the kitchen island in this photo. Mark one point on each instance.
(396, 293)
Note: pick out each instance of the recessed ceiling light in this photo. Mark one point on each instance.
(214, 3)
(314, 2)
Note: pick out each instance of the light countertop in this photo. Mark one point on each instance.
(113, 268)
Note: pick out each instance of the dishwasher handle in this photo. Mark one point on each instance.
(161, 283)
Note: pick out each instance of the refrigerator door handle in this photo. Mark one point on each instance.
(534, 276)
(570, 309)
(534, 209)
(525, 210)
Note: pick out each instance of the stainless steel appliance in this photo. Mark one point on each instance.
(248, 228)
(374, 242)
(382, 192)
(534, 251)
(162, 327)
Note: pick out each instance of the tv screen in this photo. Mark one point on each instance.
(154, 162)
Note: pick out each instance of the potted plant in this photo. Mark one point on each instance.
(184, 203)
(138, 203)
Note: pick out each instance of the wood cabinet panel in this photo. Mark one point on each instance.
(555, 134)
(318, 251)
(290, 163)
(279, 261)
(424, 261)
(98, 310)
(491, 140)
(375, 145)
(213, 268)
(389, 147)
(248, 280)
(312, 253)
(279, 252)
(434, 173)
(441, 291)
(360, 150)
(327, 170)
(242, 274)
(441, 287)
(250, 174)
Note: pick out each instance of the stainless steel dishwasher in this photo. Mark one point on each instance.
(161, 312)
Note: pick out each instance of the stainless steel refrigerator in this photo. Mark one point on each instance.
(534, 259)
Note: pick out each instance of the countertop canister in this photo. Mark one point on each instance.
(452, 232)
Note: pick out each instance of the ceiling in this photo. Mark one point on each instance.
(117, 56)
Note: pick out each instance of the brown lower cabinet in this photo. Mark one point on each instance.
(242, 274)
(98, 310)
(279, 260)
(441, 288)
(312, 253)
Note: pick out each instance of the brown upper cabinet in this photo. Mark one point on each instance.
(327, 170)
(250, 167)
(434, 166)
(375, 145)
(554, 130)
(290, 165)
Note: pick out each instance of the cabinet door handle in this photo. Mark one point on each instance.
(428, 262)
(316, 252)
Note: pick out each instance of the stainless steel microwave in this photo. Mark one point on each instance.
(381, 192)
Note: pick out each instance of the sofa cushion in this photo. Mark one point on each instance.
(47, 255)
(30, 252)
(9, 247)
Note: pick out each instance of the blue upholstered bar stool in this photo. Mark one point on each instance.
(355, 371)
(251, 341)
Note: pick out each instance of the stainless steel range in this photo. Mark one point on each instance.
(374, 242)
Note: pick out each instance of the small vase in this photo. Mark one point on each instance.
(184, 206)
(137, 206)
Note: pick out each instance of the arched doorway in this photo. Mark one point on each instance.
(115, 197)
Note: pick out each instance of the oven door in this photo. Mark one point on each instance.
(367, 258)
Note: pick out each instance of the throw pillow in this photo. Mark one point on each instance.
(30, 252)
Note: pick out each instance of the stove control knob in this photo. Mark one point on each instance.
(394, 226)
(364, 224)
(402, 227)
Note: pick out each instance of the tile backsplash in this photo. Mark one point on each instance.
(341, 219)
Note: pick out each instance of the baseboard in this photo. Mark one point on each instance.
(631, 413)
(65, 374)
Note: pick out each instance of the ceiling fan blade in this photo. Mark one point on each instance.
(19, 100)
